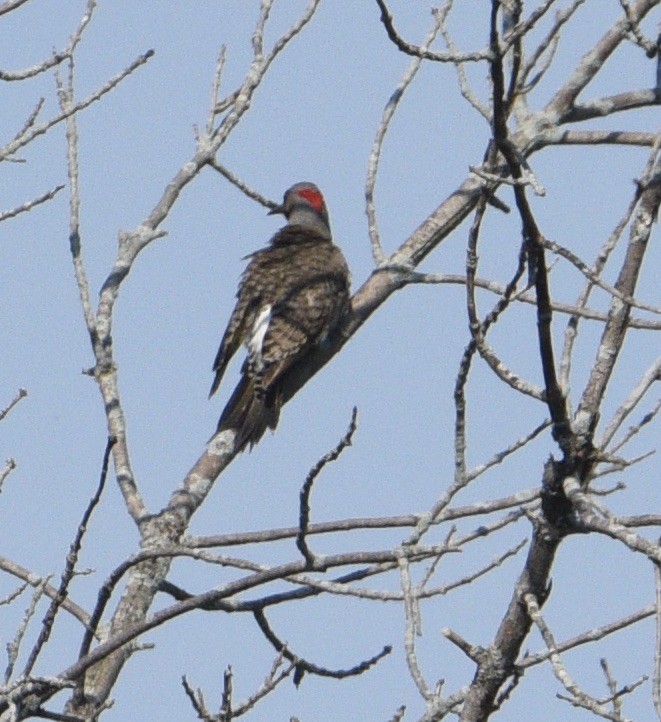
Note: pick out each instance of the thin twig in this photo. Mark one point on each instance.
(464, 87)
(304, 667)
(215, 90)
(499, 289)
(505, 453)
(386, 522)
(551, 40)
(234, 180)
(272, 680)
(20, 394)
(591, 519)
(38, 130)
(34, 581)
(554, 396)
(197, 700)
(57, 57)
(10, 465)
(594, 278)
(13, 595)
(578, 697)
(571, 332)
(593, 635)
(412, 616)
(615, 330)
(564, 102)
(381, 131)
(425, 54)
(652, 375)
(70, 566)
(66, 98)
(306, 490)
(647, 45)
(14, 646)
(29, 205)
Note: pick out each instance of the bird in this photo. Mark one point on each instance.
(291, 296)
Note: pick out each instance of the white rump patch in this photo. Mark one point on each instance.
(256, 340)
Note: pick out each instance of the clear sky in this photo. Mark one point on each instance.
(314, 119)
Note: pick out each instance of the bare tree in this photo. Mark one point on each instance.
(564, 496)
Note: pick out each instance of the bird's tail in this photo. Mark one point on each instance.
(249, 413)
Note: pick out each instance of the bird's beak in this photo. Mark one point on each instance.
(277, 210)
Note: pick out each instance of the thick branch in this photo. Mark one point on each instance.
(612, 340)
(563, 102)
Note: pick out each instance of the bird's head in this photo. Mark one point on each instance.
(304, 205)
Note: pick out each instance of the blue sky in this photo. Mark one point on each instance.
(314, 118)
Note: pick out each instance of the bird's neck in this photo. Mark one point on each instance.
(310, 219)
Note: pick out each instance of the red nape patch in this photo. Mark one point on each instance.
(313, 197)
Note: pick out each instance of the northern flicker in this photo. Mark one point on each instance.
(291, 296)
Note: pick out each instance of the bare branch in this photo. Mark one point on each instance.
(21, 394)
(603, 137)
(28, 205)
(501, 290)
(421, 52)
(533, 245)
(502, 455)
(234, 180)
(647, 45)
(409, 520)
(598, 266)
(66, 99)
(470, 578)
(56, 57)
(215, 91)
(592, 521)
(272, 680)
(13, 595)
(617, 326)
(381, 131)
(35, 580)
(10, 5)
(613, 104)
(578, 697)
(304, 667)
(630, 403)
(590, 274)
(550, 40)
(306, 490)
(593, 635)
(197, 700)
(14, 646)
(29, 122)
(35, 131)
(464, 87)
(470, 650)
(412, 615)
(639, 520)
(69, 569)
(562, 103)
